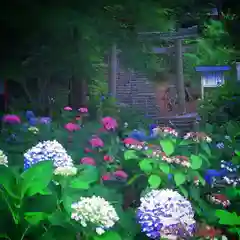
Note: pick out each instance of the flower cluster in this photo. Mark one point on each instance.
(65, 171)
(155, 151)
(71, 127)
(165, 213)
(47, 150)
(109, 123)
(198, 137)
(33, 130)
(133, 144)
(226, 176)
(96, 211)
(33, 120)
(44, 120)
(83, 110)
(232, 180)
(181, 160)
(3, 159)
(219, 199)
(229, 166)
(95, 141)
(88, 161)
(11, 119)
(220, 145)
(67, 108)
(164, 131)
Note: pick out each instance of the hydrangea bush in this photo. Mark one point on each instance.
(86, 180)
(165, 213)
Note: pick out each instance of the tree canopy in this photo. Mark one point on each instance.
(44, 39)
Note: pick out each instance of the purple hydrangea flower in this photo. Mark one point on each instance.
(45, 120)
(45, 151)
(165, 213)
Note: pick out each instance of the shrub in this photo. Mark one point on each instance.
(221, 105)
(85, 182)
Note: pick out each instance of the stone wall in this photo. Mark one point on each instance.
(134, 89)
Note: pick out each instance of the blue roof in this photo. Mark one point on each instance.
(212, 68)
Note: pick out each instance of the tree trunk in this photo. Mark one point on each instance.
(78, 93)
(112, 71)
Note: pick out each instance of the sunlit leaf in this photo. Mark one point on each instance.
(227, 218)
(164, 167)
(145, 165)
(196, 162)
(154, 181)
(167, 146)
(130, 154)
(179, 178)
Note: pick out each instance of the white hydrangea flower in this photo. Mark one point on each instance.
(45, 151)
(95, 210)
(3, 159)
(165, 213)
(66, 171)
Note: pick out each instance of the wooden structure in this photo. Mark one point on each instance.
(184, 124)
(211, 76)
(177, 49)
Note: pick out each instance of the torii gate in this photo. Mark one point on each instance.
(178, 49)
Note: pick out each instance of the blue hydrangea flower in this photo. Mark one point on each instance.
(45, 151)
(165, 213)
(210, 174)
(220, 145)
(140, 135)
(151, 127)
(229, 166)
(33, 121)
(30, 114)
(102, 98)
(226, 175)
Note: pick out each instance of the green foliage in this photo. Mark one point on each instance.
(232, 220)
(49, 53)
(38, 202)
(221, 105)
(212, 48)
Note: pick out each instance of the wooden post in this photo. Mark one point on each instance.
(179, 76)
(112, 67)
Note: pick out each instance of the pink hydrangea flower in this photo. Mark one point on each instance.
(121, 174)
(132, 141)
(96, 142)
(67, 108)
(109, 123)
(72, 127)
(11, 118)
(106, 177)
(83, 110)
(88, 161)
(87, 150)
(107, 158)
